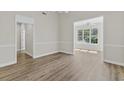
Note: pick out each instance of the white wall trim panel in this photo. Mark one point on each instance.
(98, 23)
(7, 46)
(113, 45)
(91, 20)
(53, 42)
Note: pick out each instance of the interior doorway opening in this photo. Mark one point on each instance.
(21, 37)
(88, 36)
(24, 38)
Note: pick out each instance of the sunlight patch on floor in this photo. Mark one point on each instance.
(93, 52)
(87, 51)
(82, 50)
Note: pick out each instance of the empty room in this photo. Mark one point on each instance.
(61, 46)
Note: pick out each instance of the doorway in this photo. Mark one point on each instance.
(21, 37)
(88, 36)
(24, 38)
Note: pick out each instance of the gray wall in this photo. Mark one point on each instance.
(113, 33)
(7, 39)
(45, 35)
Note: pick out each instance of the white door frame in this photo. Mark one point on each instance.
(25, 20)
(96, 19)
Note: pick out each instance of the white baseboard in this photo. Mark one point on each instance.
(114, 62)
(7, 64)
(45, 54)
(66, 52)
(29, 53)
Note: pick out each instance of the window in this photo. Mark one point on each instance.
(87, 35)
(94, 36)
(80, 35)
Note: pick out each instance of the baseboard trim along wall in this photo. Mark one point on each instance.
(45, 54)
(28, 53)
(7, 64)
(66, 52)
(114, 62)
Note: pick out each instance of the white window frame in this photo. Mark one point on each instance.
(83, 41)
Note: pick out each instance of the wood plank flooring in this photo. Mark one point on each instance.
(62, 67)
